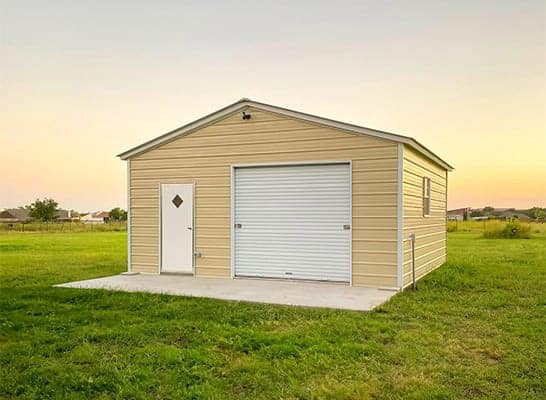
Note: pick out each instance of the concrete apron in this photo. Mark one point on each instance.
(294, 293)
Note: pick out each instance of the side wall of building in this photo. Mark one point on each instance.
(204, 157)
(430, 231)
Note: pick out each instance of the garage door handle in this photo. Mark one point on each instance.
(346, 227)
(238, 225)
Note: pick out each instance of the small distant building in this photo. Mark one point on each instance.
(99, 217)
(459, 214)
(22, 215)
(14, 215)
(66, 216)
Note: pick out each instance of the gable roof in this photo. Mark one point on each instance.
(15, 213)
(245, 103)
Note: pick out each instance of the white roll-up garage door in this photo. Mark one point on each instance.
(293, 222)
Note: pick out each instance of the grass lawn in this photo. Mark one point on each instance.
(476, 328)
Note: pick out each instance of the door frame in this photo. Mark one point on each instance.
(285, 164)
(160, 225)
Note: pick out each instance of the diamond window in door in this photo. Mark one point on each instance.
(177, 201)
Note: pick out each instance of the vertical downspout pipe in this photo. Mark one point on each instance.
(414, 283)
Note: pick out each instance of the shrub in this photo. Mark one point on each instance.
(511, 230)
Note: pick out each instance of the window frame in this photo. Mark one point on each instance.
(427, 203)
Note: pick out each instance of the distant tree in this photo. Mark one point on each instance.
(476, 213)
(117, 214)
(536, 212)
(43, 210)
(488, 210)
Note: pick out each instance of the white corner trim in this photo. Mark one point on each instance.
(129, 269)
(193, 225)
(400, 216)
(159, 230)
(445, 214)
(351, 220)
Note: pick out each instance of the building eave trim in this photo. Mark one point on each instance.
(245, 103)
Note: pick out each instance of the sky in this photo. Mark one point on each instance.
(81, 81)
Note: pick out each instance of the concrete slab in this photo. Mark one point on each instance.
(295, 293)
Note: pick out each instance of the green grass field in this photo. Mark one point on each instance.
(476, 328)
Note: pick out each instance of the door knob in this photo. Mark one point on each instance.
(190, 228)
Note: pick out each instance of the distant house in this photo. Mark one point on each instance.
(66, 216)
(459, 214)
(18, 215)
(13, 215)
(99, 217)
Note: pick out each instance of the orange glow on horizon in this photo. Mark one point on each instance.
(77, 87)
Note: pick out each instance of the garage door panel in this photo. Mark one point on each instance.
(268, 249)
(286, 236)
(291, 222)
(299, 269)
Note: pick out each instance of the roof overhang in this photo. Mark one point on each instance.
(245, 103)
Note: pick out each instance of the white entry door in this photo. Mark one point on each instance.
(177, 228)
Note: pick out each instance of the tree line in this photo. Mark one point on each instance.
(45, 210)
(489, 211)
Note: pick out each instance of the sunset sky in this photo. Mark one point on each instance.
(81, 81)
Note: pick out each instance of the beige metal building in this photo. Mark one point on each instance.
(255, 190)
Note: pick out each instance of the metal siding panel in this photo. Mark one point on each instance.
(292, 222)
(430, 231)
